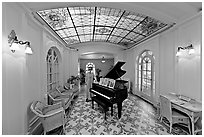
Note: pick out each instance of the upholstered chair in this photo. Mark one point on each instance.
(172, 115)
(51, 116)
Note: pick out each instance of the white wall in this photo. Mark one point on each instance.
(189, 66)
(24, 76)
(181, 75)
(101, 47)
(152, 45)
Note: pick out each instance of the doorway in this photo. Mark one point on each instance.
(146, 75)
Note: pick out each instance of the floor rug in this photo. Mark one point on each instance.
(138, 118)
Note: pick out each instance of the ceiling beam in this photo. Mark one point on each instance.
(100, 26)
(115, 25)
(133, 29)
(73, 24)
(94, 23)
(100, 34)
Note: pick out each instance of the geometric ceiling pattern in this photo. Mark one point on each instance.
(85, 24)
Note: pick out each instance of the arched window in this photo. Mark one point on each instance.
(145, 74)
(52, 69)
(90, 65)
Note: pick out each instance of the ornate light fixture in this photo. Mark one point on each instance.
(103, 60)
(14, 43)
(189, 48)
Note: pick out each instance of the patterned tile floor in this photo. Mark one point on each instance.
(138, 118)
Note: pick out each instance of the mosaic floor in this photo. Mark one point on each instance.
(138, 118)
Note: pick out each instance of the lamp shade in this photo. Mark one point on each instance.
(103, 61)
(178, 53)
(14, 46)
(28, 50)
(191, 51)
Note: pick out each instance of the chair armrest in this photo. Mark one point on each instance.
(55, 99)
(65, 96)
(34, 111)
(60, 91)
(54, 113)
(52, 107)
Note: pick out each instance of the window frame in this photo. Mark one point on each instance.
(53, 72)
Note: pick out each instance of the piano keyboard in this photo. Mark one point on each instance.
(100, 94)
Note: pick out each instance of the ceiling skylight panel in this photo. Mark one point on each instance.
(55, 17)
(131, 35)
(127, 24)
(87, 37)
(97, 37)
(125, 42)
(111, 21)
(120, 32)
(101, 19)
(77, 20)
(74, 10)
(114, 39)
(102, 11)
(82, 24)
(86, 20)
(139, 18)
(104, 37)
(62, 33)
(66, 32)
(72, 40)
(82, 38)
(138, 38)
(88, 29)
(80, 30)
(102, 30)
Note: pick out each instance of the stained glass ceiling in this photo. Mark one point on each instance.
(85, 24)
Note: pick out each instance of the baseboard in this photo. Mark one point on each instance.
(143, 98)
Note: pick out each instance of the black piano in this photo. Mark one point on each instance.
(111, 96)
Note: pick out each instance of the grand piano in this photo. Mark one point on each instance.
(116, 95)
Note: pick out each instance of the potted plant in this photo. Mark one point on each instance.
(82, 76)
(98, 71)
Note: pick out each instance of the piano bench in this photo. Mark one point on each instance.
(103, 103)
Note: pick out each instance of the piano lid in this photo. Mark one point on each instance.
(116, 72)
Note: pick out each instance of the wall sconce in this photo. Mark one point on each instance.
(103, 61)
(15, 43)
(189, 48)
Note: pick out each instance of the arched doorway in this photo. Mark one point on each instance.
(145, 78)
(92, 66)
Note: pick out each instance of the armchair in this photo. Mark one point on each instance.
(56, 96)
(67, 89)
(51, 116)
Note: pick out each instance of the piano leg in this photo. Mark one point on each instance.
(119, 109)
(92, 103)
(111, 110)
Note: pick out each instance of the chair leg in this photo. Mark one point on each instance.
(189, 128)
(92, 104)
(63, 130)
(170, 126)
(161, 119)
(112, 110)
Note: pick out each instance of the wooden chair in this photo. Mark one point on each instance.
(51, 116)
(172, 115)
